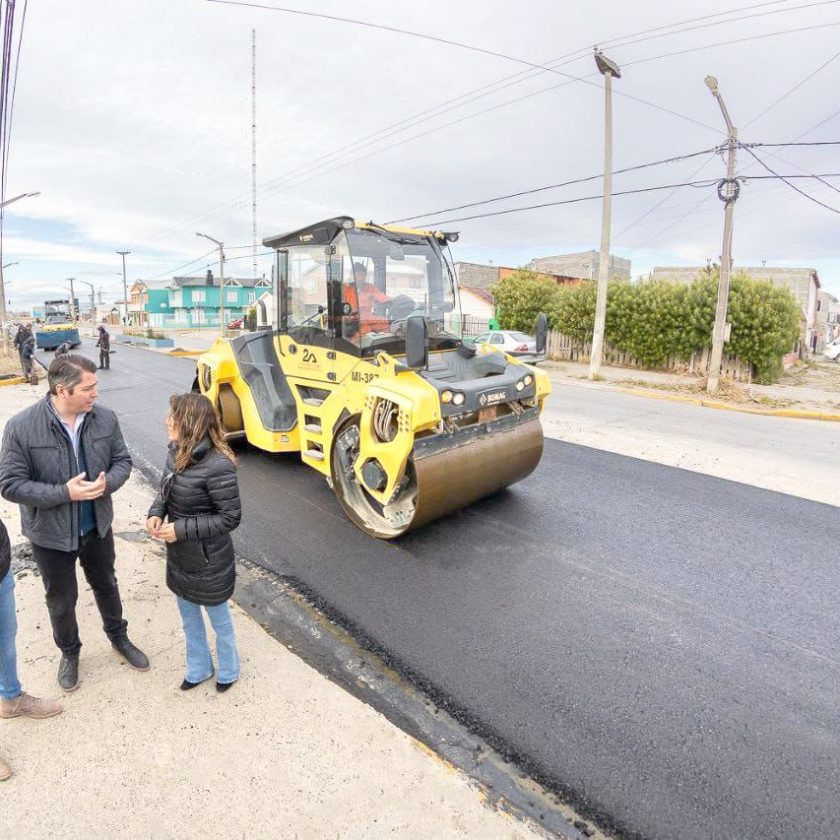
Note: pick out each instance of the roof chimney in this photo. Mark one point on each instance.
(209, 280)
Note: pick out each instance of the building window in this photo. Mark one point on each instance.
(252, 297)
(198, 296)
(230, 297)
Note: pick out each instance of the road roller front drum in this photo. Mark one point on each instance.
(438, 480)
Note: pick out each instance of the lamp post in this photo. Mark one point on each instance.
(608, 69)
(728, 197)
(3, 314)
(125, 288)
(221, 246)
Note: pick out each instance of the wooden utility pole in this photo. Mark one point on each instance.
(608, 69)
(728, 193)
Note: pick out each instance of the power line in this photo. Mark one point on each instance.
(707, 183)
(481, 50)
(786, 180)
(172, 271)
(470, 96)
(550, 187)
(291, 181)
(793, 89)
(499, 85)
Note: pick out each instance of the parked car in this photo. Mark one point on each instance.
(514, 343)
(236, 323)
(832, 350)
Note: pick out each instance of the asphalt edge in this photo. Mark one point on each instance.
(279, 606)
(348, 657)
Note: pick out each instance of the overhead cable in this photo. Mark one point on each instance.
(274, 184)
(551, 186)
(787, 180)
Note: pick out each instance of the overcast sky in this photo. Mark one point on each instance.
(134, 122)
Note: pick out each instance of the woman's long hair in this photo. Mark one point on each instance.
(195, 419)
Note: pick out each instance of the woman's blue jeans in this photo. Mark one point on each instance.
(9, 684)
(199, 659)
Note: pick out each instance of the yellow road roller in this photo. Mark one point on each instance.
(364, 373)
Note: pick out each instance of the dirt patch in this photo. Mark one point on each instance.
(10, 364)
(824, 375)
(728, 391)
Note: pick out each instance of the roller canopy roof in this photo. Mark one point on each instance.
(321, 233)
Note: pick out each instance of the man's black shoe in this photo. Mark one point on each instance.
(132, 654)
(68, 672)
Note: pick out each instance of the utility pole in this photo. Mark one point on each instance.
(92, 301)
(221, 246)
(125, 288)
(608, 69)
(727, 192)
(72, 280)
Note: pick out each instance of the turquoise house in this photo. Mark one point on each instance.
(194, 302)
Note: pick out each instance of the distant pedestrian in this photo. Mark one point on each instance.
(14, 701)
(63, 349)
(23, 332)
(199, 499)
(62, 460)
(104, 345)
(27, 359)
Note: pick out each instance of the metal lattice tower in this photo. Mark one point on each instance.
(254, 145)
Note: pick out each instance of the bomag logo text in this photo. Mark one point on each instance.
(492, 397)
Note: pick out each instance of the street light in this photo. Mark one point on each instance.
(3, 313)
(22, 195)
(608, 69)
(125, 289)
(728, 196)
(221, 246)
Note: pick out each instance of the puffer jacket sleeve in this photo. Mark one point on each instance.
(158, 507)
(223, 489)
(121, 463)
(15, 483)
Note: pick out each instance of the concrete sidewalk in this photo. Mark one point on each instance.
(806, 391)
(285, 753)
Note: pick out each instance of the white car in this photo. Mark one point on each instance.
(832, 350)
(518, 344)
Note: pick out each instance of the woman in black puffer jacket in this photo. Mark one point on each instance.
(199, 498)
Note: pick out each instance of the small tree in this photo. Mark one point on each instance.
(576, 311)
(765, 324)
(520, 298)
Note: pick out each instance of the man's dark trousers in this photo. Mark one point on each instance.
(104, 358)
(58, 571)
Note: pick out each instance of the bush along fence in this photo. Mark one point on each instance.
(659, 324)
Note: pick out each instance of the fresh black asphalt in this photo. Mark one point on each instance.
(659, 645)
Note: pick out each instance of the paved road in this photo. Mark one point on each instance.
(661, 644)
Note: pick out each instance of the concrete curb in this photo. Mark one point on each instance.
(15, 380)
(800, 414)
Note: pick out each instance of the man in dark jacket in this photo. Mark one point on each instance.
(27, 358)
(14, 701)
(61, 461)
(63, 349)
(104, 345)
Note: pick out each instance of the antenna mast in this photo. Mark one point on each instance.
(254, 145)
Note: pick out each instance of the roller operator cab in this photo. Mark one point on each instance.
(367, 377)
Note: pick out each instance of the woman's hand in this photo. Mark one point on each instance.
(167, 533)
(153, 524)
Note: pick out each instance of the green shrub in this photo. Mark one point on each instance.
(656, 320)
(521, 296)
